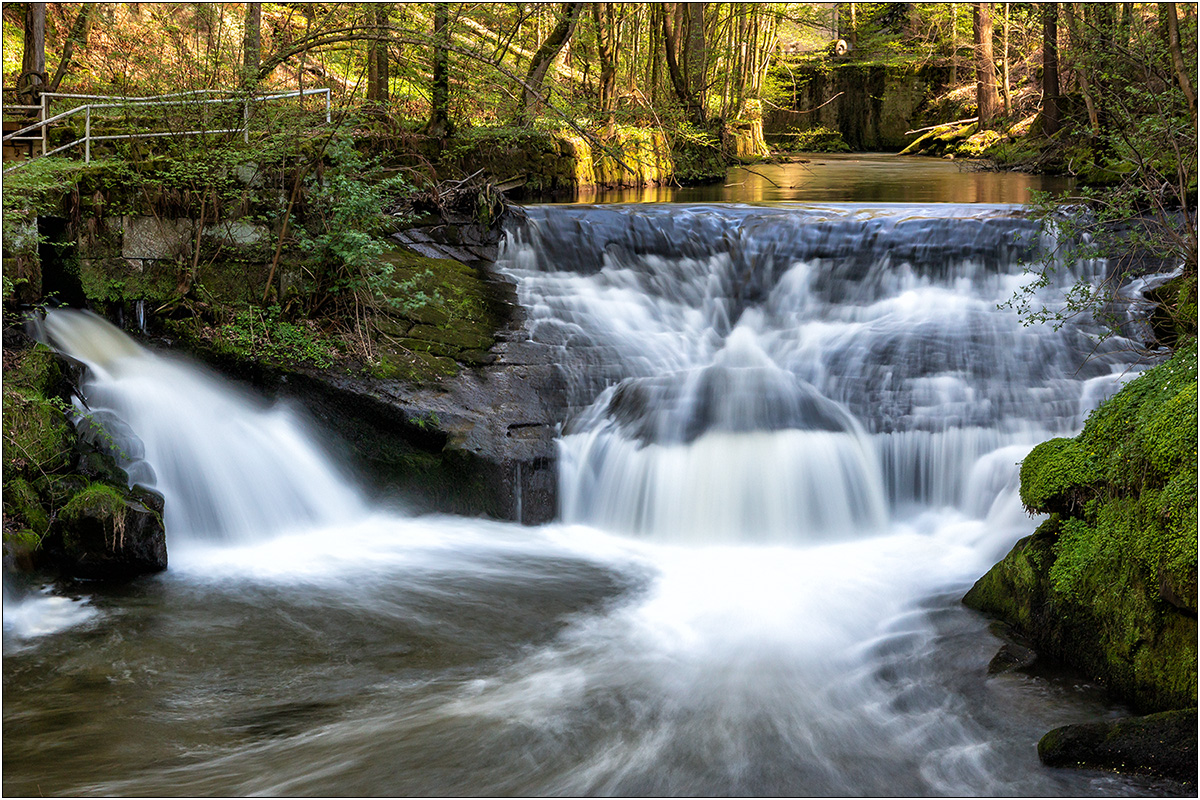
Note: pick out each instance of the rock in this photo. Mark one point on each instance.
(1010, 657)
(108, 534)
(1162, 744)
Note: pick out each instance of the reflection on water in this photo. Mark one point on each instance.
(850, 178)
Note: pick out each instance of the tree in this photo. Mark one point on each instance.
(1050, 97)
(603, 19)
(252, 44)
(33, 57)
(985, 67)
(439, 125)
(377, 59)
(76, 37)
(531, 99)
(1177, 59)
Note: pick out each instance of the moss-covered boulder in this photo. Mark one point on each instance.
(1162, 745)
(1108, 583)
(108, 533)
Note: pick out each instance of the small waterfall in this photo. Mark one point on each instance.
(798, 373)
(229, 468)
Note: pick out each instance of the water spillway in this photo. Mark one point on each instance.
(807, 371)
(793, 442)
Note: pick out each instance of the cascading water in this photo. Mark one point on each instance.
(793, 446)
(787, 374)
(228, 467)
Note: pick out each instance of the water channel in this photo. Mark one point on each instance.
(799, 420)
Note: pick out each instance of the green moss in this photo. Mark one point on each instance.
(1076, 551)
(37, 372)
(37, 436)
(22, 502)
(97, 500)
(1057, 476)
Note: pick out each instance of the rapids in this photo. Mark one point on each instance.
(794, 444)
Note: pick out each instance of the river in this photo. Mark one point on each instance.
(797, 429)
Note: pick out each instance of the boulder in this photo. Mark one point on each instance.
(110, 534)
(1162, 745)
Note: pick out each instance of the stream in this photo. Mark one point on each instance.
(797, 421)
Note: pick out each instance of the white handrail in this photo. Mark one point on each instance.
(159, 100)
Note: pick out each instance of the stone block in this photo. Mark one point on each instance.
(148, 237)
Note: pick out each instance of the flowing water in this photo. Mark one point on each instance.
(794, 444)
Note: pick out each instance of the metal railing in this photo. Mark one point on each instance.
(178, 99)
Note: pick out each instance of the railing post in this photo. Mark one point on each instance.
(45, 115)
(87, 136)
(246, 119)
(328, 118)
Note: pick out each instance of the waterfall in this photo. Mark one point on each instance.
(798, 373)
(229, 467)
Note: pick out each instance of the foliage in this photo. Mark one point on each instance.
(343, 237)
(1137, 147)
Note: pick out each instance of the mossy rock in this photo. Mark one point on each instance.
(109, 533)
(1108, 585)
(37, 436)
(22, 502)
(1162, 745)
(1057, 477)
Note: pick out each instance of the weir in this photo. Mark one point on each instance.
(797, 372)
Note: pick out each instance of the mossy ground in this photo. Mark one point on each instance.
(1109, 582)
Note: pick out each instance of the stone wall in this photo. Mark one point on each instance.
(872, 105)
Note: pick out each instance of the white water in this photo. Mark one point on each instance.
(785, 470)
(229, 468)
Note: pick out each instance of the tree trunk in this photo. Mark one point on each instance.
(377, 59)
(954, 44)
(439, 126)
(852, 33)
(695, 56)
(1081, 72)
(1005, 86)
(33, 59)
(544, 57)
(1185, 85)
(985, 67)
(1050, 121)
(251, 44)
(670, 49)
(603, 17)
